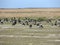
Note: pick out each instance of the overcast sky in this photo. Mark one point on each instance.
(30, 3)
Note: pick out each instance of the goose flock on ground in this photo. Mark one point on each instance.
(29, 22)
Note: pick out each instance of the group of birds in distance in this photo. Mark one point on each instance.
(28, 21)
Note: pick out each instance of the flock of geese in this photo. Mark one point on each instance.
(28, 21)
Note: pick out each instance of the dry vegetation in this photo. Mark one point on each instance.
(30, 12)
(23, 35)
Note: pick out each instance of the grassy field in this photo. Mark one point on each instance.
(38, 12)
(23, 35)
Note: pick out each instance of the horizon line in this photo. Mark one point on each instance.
(33, 8)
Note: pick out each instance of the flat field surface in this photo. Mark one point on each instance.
(38, 12)
(23, 35)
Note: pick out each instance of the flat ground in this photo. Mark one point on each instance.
(23, 35)
(38, 12)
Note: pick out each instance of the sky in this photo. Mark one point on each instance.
(29, 3)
